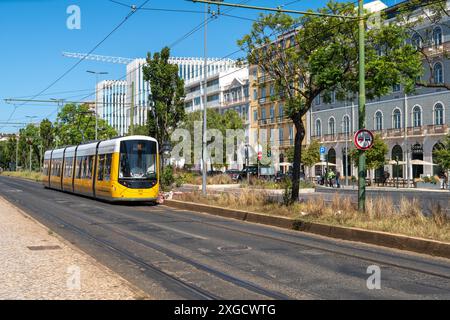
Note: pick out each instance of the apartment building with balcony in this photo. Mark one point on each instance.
(412, 126)
(270, 126)
(226, 90)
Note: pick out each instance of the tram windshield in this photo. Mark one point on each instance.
(137, 160)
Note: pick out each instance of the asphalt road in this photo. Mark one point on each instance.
(176, 254)
(428, 200)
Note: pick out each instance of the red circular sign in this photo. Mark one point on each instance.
(259, 155)
(363, 139)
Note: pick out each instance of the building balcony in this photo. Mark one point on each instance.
(437, 129)
(416, 131)
(392, 133)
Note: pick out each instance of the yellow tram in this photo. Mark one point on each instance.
(121, 169)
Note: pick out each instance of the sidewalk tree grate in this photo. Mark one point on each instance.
(43, 248)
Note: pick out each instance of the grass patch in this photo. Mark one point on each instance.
(381, 214)
(29, 175)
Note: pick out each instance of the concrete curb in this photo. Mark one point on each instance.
(418, 245)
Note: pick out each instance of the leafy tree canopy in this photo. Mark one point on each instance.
(167, 95)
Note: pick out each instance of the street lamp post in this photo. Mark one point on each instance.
(96, 99)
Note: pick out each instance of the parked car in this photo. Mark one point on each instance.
(234, 174)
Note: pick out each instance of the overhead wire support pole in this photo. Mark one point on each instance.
(205, 99)
(362, 106)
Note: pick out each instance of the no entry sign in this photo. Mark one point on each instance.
(363, 139)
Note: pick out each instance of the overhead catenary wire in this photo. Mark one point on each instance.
(221, 59)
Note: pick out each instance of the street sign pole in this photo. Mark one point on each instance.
(362, 108)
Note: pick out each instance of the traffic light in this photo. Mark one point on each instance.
(269, 153)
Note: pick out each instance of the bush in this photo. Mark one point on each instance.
(287, 186)
(167, 178)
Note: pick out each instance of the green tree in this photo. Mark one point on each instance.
(47, 134)
(29, 146)
(75, 124)
(167, 95)
(230, 120)
(311, 56)
(442, 155)
(375, 156)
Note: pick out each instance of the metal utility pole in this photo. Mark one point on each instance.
(205, 99)
(362, 106)
(17, 151)
(96, 99)
(132, 109)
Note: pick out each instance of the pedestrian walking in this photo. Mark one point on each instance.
(331, 177)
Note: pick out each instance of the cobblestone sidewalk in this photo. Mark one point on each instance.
(35, 264)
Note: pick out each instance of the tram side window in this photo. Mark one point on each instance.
(45, 168)
(89, 167)
(79, 167)
(101, 167)
(83, 167)
(108, 161)
(68, 164)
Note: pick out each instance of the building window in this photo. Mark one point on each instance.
(255, 115)
(417, 117)
(346, 125)
(416, 41)
(439, 114)
(272, 113)
(333, 97)
(291, 135)
(281, 111)
(396, 88)
(263, 114)
(281, 134)
(397, 119)
(272, 90)
(255, 94)
(263, 93)
(437, 36)
(438, 73)
(318, 128)
(317, 100)
(378, 121)
(331, 127)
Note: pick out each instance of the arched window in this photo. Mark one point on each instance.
(417, 116)
(416, 41)
(318, 128)
(331, 127)
(397, 155)
(378, 121)
(437, 36)
(397, 119)
(346, 125)
(438, 114)
(331, 156)
(438, 73)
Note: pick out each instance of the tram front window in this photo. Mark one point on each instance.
(137, 160)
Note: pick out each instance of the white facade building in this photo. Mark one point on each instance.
(190, 70)
(112, 104)
(226, 90)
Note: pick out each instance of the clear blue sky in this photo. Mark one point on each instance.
(34, 34)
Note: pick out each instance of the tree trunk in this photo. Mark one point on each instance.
(299, 136)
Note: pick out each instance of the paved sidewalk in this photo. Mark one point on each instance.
(36, 264)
